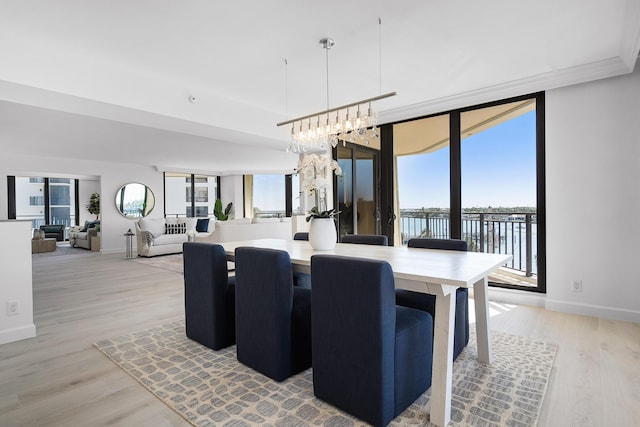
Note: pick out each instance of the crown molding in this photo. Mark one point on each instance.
(545, 81)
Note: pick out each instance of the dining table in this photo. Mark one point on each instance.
(435, 272)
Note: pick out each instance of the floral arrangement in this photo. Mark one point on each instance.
(313, 169)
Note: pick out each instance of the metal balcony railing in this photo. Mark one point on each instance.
(511, 233)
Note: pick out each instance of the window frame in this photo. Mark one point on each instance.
(455, 170)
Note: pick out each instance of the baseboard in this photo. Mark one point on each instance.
(594, 310)
(17, 334)
(514, 296)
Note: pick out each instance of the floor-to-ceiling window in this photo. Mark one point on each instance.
(477, 174)
(421, 152)
(190, 195)
(46, 200)
(498, 186)
(268, 197)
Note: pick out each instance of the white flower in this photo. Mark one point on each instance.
(313, 170)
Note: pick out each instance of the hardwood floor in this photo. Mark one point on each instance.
(59, 379)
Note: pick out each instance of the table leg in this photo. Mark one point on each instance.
(483, 330)
(442, 359)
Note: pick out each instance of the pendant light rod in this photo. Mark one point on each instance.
(331, 110)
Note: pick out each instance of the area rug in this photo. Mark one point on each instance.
(211, 388)
(166, 262)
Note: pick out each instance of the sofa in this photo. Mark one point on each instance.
(80, 235)
(256, 228)
(163, 236)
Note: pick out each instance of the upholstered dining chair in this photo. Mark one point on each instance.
(209, 295)
(427, 302)
(273, 317)
(366, 239)
(371, 358)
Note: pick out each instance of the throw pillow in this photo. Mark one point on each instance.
(202, 226)
(175, 228)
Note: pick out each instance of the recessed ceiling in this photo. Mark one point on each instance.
(130, 67)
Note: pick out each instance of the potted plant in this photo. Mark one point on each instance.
(219, 213)
(314, 168)
(94, 205)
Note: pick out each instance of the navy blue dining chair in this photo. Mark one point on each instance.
(209, 295)
(301, 235)
(273, 317)
(366, 239)
(371, 358)
(427, 302)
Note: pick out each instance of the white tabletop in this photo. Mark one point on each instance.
(456, 268)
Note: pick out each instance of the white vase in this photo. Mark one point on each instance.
(322, 234)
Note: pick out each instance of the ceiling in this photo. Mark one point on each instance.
(111, 81)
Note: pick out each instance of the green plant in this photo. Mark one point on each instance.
(94, 205)
(219, 213)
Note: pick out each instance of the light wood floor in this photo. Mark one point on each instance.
(59, 379)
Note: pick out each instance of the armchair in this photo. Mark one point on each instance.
(273, 317)
(371, 358)
(80, 238)
(53, 231)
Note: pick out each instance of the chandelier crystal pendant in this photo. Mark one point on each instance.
(355, 122)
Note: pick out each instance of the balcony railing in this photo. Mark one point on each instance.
(491, 232)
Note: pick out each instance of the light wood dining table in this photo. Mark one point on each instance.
(436, 272)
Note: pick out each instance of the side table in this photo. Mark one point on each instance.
(43, 245)
(128, 248)
(95, 243)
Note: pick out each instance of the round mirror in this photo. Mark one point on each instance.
(135, 200)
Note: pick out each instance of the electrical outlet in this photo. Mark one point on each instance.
(576, 285)
(13, 308)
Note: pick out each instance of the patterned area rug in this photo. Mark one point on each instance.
(211, 388)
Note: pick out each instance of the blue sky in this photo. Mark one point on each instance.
(498, 169)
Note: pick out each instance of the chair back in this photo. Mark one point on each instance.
(353, 322)
(209, 307)
(444, 244)
(301, 236)
(366, 239)
(264, 301)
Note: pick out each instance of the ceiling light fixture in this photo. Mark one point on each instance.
(355, 122)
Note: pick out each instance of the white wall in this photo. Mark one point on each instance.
(15, 265)
(593, 197)
(232, 190)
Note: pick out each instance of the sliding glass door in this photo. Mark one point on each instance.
(358, 190)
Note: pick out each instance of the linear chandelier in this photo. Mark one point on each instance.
(355, 122)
